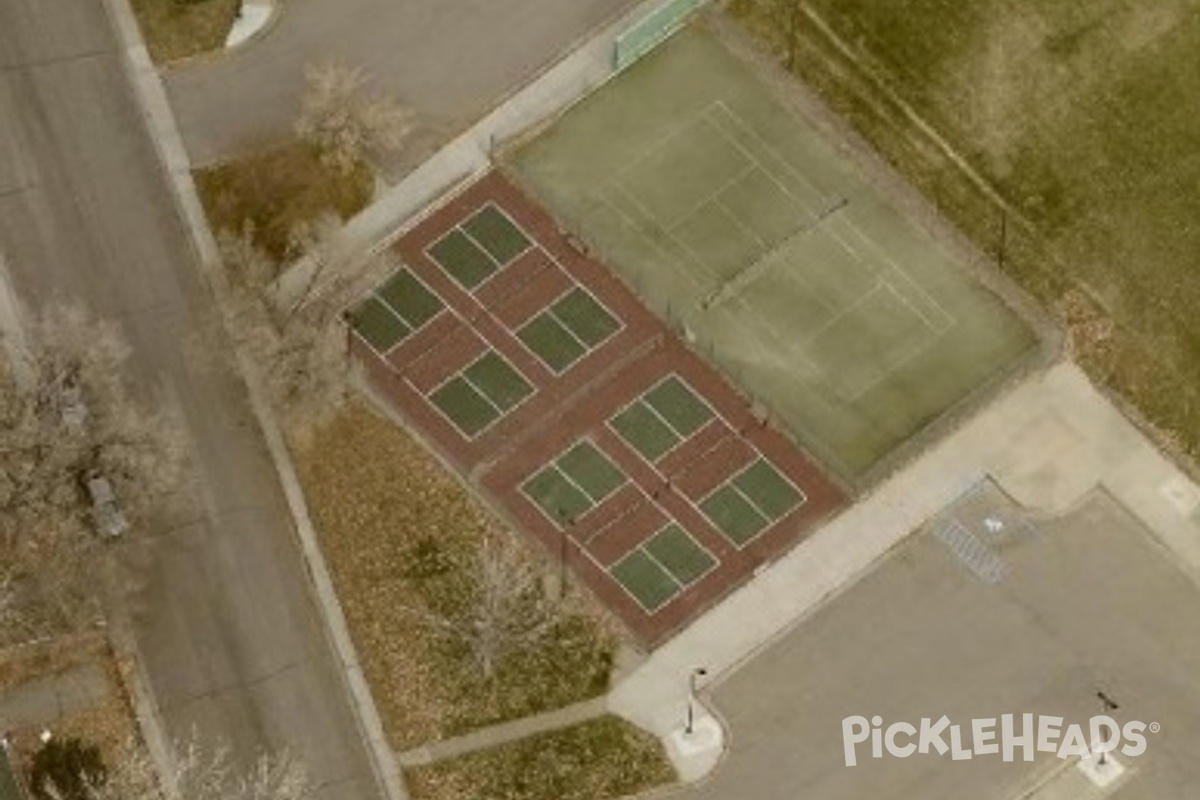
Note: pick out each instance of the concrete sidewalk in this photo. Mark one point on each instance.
(505, 732)
(1047, 442)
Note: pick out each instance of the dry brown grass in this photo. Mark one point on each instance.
(29, 662)
(174, 29)
(602, 758)
(277, 190)
(400, 534)
(1083, 118)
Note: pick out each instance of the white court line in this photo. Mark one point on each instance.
(557, 523)
(762, 457)
(641, 545)
(364, 296)
(434, 260)
(766, 519)
(911, 352)
(609, 423)
(682, 439)
(763, 246)
(354, 332)
(428, 396)
(951, 319)
(849, 308)
(679, 585)
(530, 239)
(609, 572)
(625, 512)
(695, 395)
(415, 329)
(621, 326)
(554, 465)
(654, 220)
(661, 142)
(715, 562)
(686, 128)
(711, 197)
(746, 129)
(547, 309)
(671, 258)
(671, 518)
(467, 380)
(588, 440)
(500, 268)
(770, 520)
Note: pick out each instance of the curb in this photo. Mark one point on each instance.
(160, 121)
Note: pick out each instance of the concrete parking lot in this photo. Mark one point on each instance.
(449, 62)
(1085, 602)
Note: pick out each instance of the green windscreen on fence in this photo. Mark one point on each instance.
(645, 34)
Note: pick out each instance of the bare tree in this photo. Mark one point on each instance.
(345, 121)
(507, 610)
(301, 351)
(78, 455)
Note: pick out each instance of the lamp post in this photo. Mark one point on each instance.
(1109, 706)
(698, 672)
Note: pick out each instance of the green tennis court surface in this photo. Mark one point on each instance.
(751, 501)
(661, 418)
(482, 393)
(574, 483)
(496, 233)
(662, 567)
(478, 247)
(394, 310)
(568, 330)
(737, 220)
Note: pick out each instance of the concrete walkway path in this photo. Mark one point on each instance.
(504, 733)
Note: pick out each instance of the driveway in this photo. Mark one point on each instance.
(228, 632)
(449, 61)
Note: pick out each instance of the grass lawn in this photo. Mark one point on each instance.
(175, 29)
(1083, 118)
(276, 189)
(603, 758)
(400, 534)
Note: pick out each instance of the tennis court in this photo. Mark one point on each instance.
(479, 247)
(481, 393)
(657, 542)
(570, 328)
(539, 376)
(393, 312)
(737, 221)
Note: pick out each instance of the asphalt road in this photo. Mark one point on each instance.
(1088, 602)
(230, 637)
(450, 62)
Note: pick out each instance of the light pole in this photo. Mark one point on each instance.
(1109, 706)
(698, 672)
